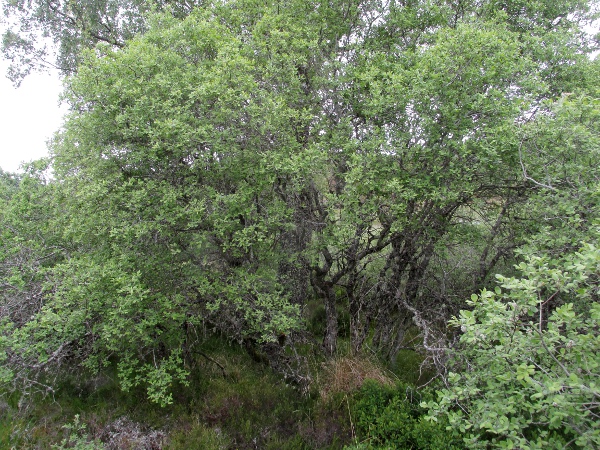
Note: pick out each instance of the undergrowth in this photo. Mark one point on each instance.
(390, 417)
(232, 402)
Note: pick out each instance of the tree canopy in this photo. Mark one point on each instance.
(226, 166)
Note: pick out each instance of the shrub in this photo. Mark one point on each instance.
(78, 438)
(528, 363)
(391, 417)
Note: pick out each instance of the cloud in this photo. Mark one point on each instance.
(29, 116)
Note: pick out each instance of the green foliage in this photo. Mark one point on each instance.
(199, 438)
(566, 195)
(526, 370)
(171, 220)
(243, 405)
(388, 417)
(216, 165)
(77, 438)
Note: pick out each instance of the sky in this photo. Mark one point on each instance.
(29, 116)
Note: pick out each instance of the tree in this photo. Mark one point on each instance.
(30, 244)
(524, 371)
(422, 135)
(216, 167)
(171, 208)
(52, 34)
(565, 193)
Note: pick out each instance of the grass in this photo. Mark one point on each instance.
(243, 406)
(232, 402)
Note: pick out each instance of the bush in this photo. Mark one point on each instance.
(78, 438)
(391, 417)
(528, 363)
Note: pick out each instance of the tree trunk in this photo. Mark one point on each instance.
(331, 330)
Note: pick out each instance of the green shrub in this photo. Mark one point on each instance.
(391, 417)
(78, 438)
(526, 370)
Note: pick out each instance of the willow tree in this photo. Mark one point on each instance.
(224, 168)
(422, 133)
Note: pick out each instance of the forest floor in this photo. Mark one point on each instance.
(231, 402)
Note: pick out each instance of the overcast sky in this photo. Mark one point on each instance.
(29, 115)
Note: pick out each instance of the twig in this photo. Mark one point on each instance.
(213, 361)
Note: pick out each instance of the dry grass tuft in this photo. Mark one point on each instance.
(348, 373)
